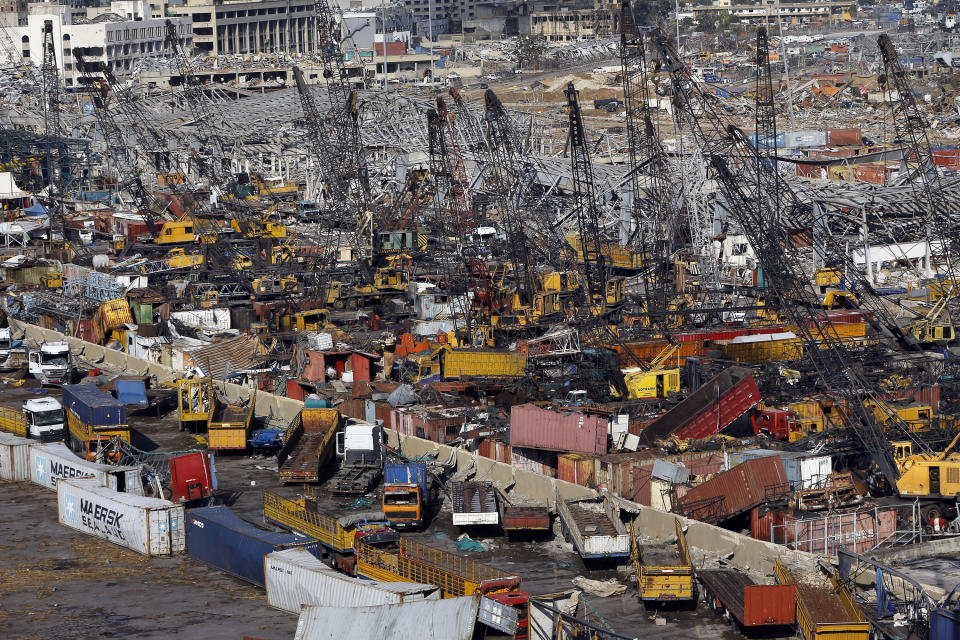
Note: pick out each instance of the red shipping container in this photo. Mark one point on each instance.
(576, 468)
(393, 48)
(190, 477)
(531, 426)
(850, 137)
(872, 173)
(747, 485)
(857, 530)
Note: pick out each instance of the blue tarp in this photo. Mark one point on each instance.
(131, 392)
(36, 210)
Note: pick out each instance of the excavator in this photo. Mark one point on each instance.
(931, 478)
(930, 328)
(653, 382)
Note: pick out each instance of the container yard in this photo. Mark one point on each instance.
(476, 320)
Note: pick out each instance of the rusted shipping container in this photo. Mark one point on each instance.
(531, 426)
(494, 449)
(543, 463)
(641, 352)
(524, 518)
(709, 409)
(736, 491)
(859, 531)
(753, 605)
(849, 137)
(576, 468)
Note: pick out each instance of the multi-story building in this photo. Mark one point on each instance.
(270, 26)
(117, 38)
(566, 20)
(770, 10)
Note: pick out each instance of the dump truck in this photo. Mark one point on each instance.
(94, 417)
(360, 449)
(413, 561)
(752, 605)
(446, 363)
(474, 503)
(709, 409)
(195, 402)
(823, 611)
(594, 528)
(308, 444)
(50, 363)
(407, 494)
(229, 426)
(664, 571)
(40, 419)
(339, 535)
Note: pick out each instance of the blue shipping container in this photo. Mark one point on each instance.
(407, 473)
(93, 406)
(218, 537)
(944, 624)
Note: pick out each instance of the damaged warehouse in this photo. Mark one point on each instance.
(372, 329)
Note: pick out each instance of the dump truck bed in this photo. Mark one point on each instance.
(752, 604)
(825, 612)
(474, 503)
(307, 444)
(525, 518)
(595, 533)
(664, 571)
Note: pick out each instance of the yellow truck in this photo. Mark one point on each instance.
(229, 426)
(415, 562)
(664, 571)
(312, 320)
(446, 363)
(825, 612)
(195, 403)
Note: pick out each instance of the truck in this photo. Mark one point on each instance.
(825, 610)
(339, 535)
(40, 419)
(446, 363)
(411, 561)
(308, 444)
(94, 417)
(474, 503)
(664, 571)
(733, 593)
(360, 449)
(407, 494)
(50, 363)
(594, 528)
(229, 426)
(708, 410)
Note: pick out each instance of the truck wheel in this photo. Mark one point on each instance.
(933, 512)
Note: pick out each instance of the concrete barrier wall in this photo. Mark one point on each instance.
(655, 526)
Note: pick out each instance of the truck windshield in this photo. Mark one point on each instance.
(47, 418)
(4, 343)
(400, 498)
(54, 359)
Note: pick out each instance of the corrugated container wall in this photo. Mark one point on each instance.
(51, 462)
(844, 137)
(295, 578)
(859, 531)
(218, 537)
(745, 486)
(14, 458)
(543, 463)
(149, 526)
(93, 406)
(531, 426)
(576, 468)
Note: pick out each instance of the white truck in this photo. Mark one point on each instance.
(360, 449)
(40, 419)
(50, 363)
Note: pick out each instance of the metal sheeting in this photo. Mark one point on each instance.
(223, 358)
(14, 458)
(51, 462)
(150, 526)
(448, 619)
(296, 578)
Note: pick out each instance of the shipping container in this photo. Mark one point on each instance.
(531, 426)
(804, 471)
(407, 473)
(595, 529)
(459, 364)
(751, 604)
(295, 578)
(858, 530)
(736, 491)
(218, 537)
(14, 458)
(150, 526)
(94, 407)
(393, 48)
(709, 409)
(449, 619)
(851, 136)
(945, 620)
(52, 462)
(543, 463)
(576, 468)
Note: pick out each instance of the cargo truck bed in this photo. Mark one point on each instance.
(307, 445)
(474, 503)
(595, 533)
(825, 611)
(525, 518)
(301, 463)
(752, 604)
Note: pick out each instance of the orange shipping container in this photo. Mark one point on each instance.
(576, 468)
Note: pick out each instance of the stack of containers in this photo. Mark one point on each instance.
(52, 462)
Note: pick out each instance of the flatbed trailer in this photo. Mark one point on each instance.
(474, 503)
(595, 533)
(664, 571)
(750, 604)
(308, 444)
(413, 561)
(825, 612)
(296, 515)
(229, 426)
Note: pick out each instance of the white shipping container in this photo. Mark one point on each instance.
(150, 526)
(814, 471)
(52, 462)
(14, 458)
(294, 577)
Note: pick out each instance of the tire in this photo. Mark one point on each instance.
(932, 512)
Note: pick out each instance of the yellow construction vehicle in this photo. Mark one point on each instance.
(195, 402)
(933, 479)
(273, 186)
(918, 417)
(387, 281)
(930, 328)
(653, 382)
(828, 279)
(52, 280)
(266, 286)
(312, 320)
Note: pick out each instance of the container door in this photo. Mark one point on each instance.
(158, 525)
(112, 482)
(178, 531)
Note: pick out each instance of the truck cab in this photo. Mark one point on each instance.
(6, 343)
(406, 494)
(45, 419)
(51, 363)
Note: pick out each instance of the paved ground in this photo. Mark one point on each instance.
(56, 583)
